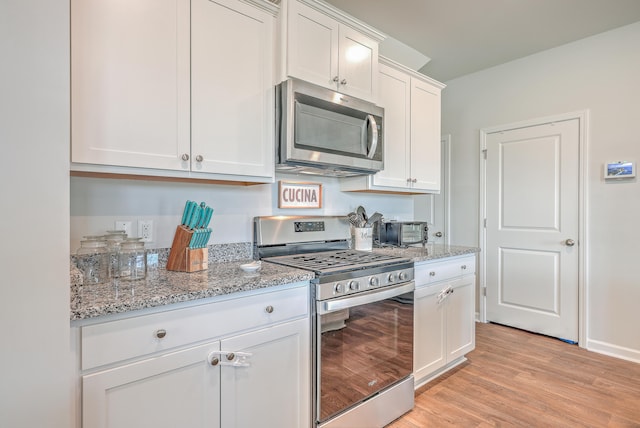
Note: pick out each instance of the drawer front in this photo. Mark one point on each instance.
(430, 272)
(114, 341)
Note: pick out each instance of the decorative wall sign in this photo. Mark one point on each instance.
(299, 195)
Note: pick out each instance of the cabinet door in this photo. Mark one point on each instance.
(232, 53)
(130, 83)
(394, 94)
(425, 136)
(460, 322)
(358, 64)
(179, 389)
(312, 45)
(273, 391)
(429, 332)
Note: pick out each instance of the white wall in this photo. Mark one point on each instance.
(601, 74)
(35, 360)
(97, 203)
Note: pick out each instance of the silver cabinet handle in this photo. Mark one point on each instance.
(335, 79)
(463, 267)
(569, 242)
(233, 359)
(432, 273)
(161, 333)
(415, 180)
(199, 158)
(185, 157)
(409, 180)
(343, 82)
(269, 309)
(438, 234)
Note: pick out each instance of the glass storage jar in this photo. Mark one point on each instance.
(114, 239)
(133, 259)
(93, 260)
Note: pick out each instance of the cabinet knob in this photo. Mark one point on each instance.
(215, 361)
(269, 309)
(231, 356)
(343, 82)
(335, 79)
(463, 267)
(432, 273)
(199, 158)
(409, 180)
(161, 333)
(438, 234)
(415, 180)
(185, 157)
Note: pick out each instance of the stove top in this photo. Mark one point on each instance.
(329, 262)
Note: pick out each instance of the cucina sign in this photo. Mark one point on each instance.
(299, 195)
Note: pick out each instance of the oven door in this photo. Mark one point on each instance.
(364, 344)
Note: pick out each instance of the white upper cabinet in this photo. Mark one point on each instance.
(130, 83)
(232, 88)
(328, 48)
(173, 88)
(411, 105)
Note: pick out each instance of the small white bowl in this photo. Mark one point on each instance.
(251, 267)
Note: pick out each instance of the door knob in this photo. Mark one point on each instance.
(569, 242)
(438, 234)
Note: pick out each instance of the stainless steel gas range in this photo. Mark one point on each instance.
(362, 319)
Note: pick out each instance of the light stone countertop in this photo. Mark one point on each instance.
(224, 277)
(429, 252)
(162, 287)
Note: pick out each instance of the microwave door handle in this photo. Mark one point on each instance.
(374, 135)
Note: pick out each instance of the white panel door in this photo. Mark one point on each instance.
(357, 64)
(273, 389)
(425, 136)
(179, 389)
(312, 51)
(130, 83)
(395, 98)
(231, 89)
(532, 228)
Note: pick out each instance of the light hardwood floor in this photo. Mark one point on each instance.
(516, 378)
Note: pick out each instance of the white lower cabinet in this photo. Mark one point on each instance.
(255, 377)
(444, 329)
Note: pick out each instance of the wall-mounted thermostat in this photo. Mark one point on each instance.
(620, 169)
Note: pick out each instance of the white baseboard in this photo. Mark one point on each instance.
(613, 350)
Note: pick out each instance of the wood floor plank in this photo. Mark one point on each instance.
(518, 379)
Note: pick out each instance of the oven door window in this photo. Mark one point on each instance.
(363, 350)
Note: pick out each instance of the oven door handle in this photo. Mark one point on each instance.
(363, 298)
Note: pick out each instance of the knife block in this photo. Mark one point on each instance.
(185, 259)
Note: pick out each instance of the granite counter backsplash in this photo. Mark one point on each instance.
(162, 287)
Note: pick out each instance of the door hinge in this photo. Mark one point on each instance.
(485, 223)
(484, 153)
(484, 291)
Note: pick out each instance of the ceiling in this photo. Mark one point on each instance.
(465, 36)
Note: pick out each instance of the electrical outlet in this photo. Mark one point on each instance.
(123, 225)
(145, 230)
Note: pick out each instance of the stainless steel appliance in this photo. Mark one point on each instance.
(320, 131)
(401, 233)
(362, 319)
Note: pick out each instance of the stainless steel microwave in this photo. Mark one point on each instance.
(323, 132)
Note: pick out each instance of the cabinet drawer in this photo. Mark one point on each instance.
(113, 341)
(430, 272)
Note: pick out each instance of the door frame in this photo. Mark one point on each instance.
(583, 118)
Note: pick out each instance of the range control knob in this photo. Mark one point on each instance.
(402, 276)
(354, 285)
(391, 277)
(374, 281)
(339, 288)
